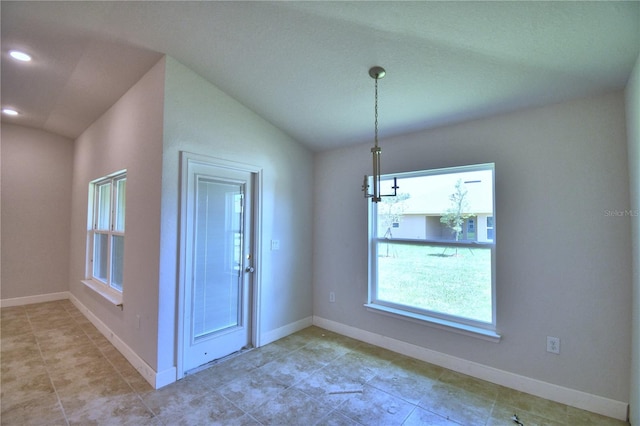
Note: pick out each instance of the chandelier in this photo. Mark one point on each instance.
(377, 73)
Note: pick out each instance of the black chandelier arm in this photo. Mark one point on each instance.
(365, 189)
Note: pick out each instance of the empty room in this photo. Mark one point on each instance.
(331, 213)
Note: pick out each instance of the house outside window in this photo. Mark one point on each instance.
(432, 248)
(490, 228)
(106, 231)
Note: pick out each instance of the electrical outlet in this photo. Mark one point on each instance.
(332, 297)
(553, 344)
(275, 245)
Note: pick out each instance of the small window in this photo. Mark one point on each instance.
(105, 229)
(439, 264)
(490, 228)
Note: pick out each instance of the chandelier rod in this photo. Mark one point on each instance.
(377, 73)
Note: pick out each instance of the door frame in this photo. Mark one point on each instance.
(187, 158)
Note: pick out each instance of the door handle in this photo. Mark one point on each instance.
(249, 269)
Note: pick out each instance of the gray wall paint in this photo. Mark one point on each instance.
(200, 118)
(633, 137)
(563, 265)
(128, 136)
(36, 206)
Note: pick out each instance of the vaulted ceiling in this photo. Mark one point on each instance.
(303, 66)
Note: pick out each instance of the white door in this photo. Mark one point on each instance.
(217, 264)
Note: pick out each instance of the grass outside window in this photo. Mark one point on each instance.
(441, 279)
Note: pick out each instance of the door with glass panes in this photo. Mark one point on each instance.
(217, 263)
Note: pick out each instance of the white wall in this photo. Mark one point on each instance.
(563, 265)
(633, 138)
(199, 118)
(128, 136)
(36, 206)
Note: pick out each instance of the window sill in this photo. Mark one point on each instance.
(102, 290)
(440, 323)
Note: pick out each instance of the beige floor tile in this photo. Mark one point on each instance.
(251, 391)
(502, 415)
(586, 418)
(18, 368)
(60, 338)
(14, 393)
(46, 308)
(208, 409)
(85, 376)
(256, 358)
(457, 404)
(17, 348)
(293, 341)
(12, 312)
(479, 387)
(72, 357)
(336, 418)
(55, 366)
(49, 323)
(361, 365)
(113, 410)
(379, 353)
(15, 327)
(291, 407)
(374, 406)
(331, 385)
(403, 383)
(421, 417)
(19, 342)
(291, 369)
(224, 372)
(415, 366)
(41, 410)
(175, 397)
(532, 404)
(77, 399)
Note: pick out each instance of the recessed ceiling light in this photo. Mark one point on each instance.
(9, 111)
(20, 56)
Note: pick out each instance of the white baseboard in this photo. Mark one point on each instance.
(165, 377)
(582, 400)
(284, 331)
(28, 300)
(155, 379)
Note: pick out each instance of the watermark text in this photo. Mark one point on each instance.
(622, 213)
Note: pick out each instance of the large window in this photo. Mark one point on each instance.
(432, 248)
(106, 230)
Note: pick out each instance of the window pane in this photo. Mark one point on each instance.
(117, 257)
(100, 256)
(103, 206)
(120, 204)
(454, 206)
(217, 282)
(445, 279)
(433, 244)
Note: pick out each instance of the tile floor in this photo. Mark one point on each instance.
(57, 369)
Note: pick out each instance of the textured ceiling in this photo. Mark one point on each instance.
(304, 65)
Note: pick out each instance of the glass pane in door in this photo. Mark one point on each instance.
(217, 280)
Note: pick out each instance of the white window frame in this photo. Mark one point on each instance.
(484, 330)
(106, 287)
